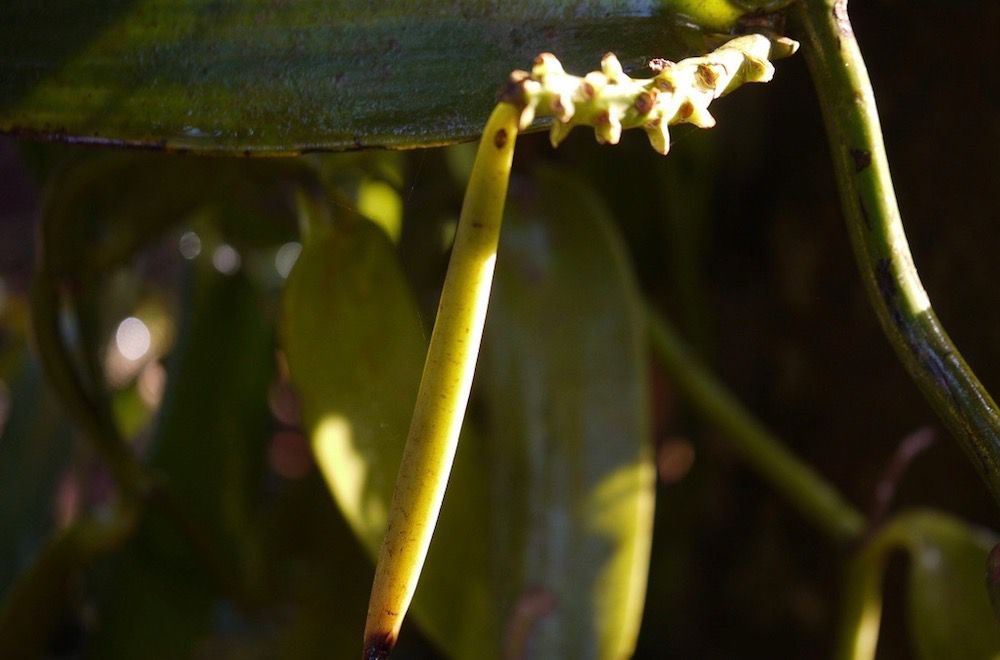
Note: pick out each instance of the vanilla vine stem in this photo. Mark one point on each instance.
(607, 100)
(879, 242)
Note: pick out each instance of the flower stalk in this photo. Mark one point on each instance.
(609, 101)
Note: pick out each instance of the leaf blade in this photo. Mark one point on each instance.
(564, 380)
(269, 78)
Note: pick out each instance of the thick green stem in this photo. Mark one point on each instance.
(801, 486)
(876, 230)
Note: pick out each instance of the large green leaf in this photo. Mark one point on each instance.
(948, 605)
(570, 455)
(261, 76)
(552, 509)
(355, 349)
(949, 609)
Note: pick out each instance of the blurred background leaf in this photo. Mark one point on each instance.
(356, 348)
(164, 593)
(947, 607)
(564, 390)
(949, 610)
(569, 532)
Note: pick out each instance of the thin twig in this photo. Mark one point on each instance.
(802, 487)
(885, 491)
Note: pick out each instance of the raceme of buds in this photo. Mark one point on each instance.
(610, 101)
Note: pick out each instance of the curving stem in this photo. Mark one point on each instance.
(879, 242)
(444, 386)
(801, 486)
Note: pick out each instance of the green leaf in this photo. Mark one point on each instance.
(552, 508)
(32, 606)
(355, 349)
(948, 606)
(949, 609)
(564, 382)
(258, 76)
(322, 571)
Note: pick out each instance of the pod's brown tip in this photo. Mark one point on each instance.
(378, 646)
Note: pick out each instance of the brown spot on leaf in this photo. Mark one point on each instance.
(993, 567)
(532, 606)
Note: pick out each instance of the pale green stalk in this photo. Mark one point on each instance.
(607, 100)
(444, 387)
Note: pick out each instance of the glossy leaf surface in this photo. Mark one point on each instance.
(949, 610)
(258, 76)
(948, 606)
(564, 382)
